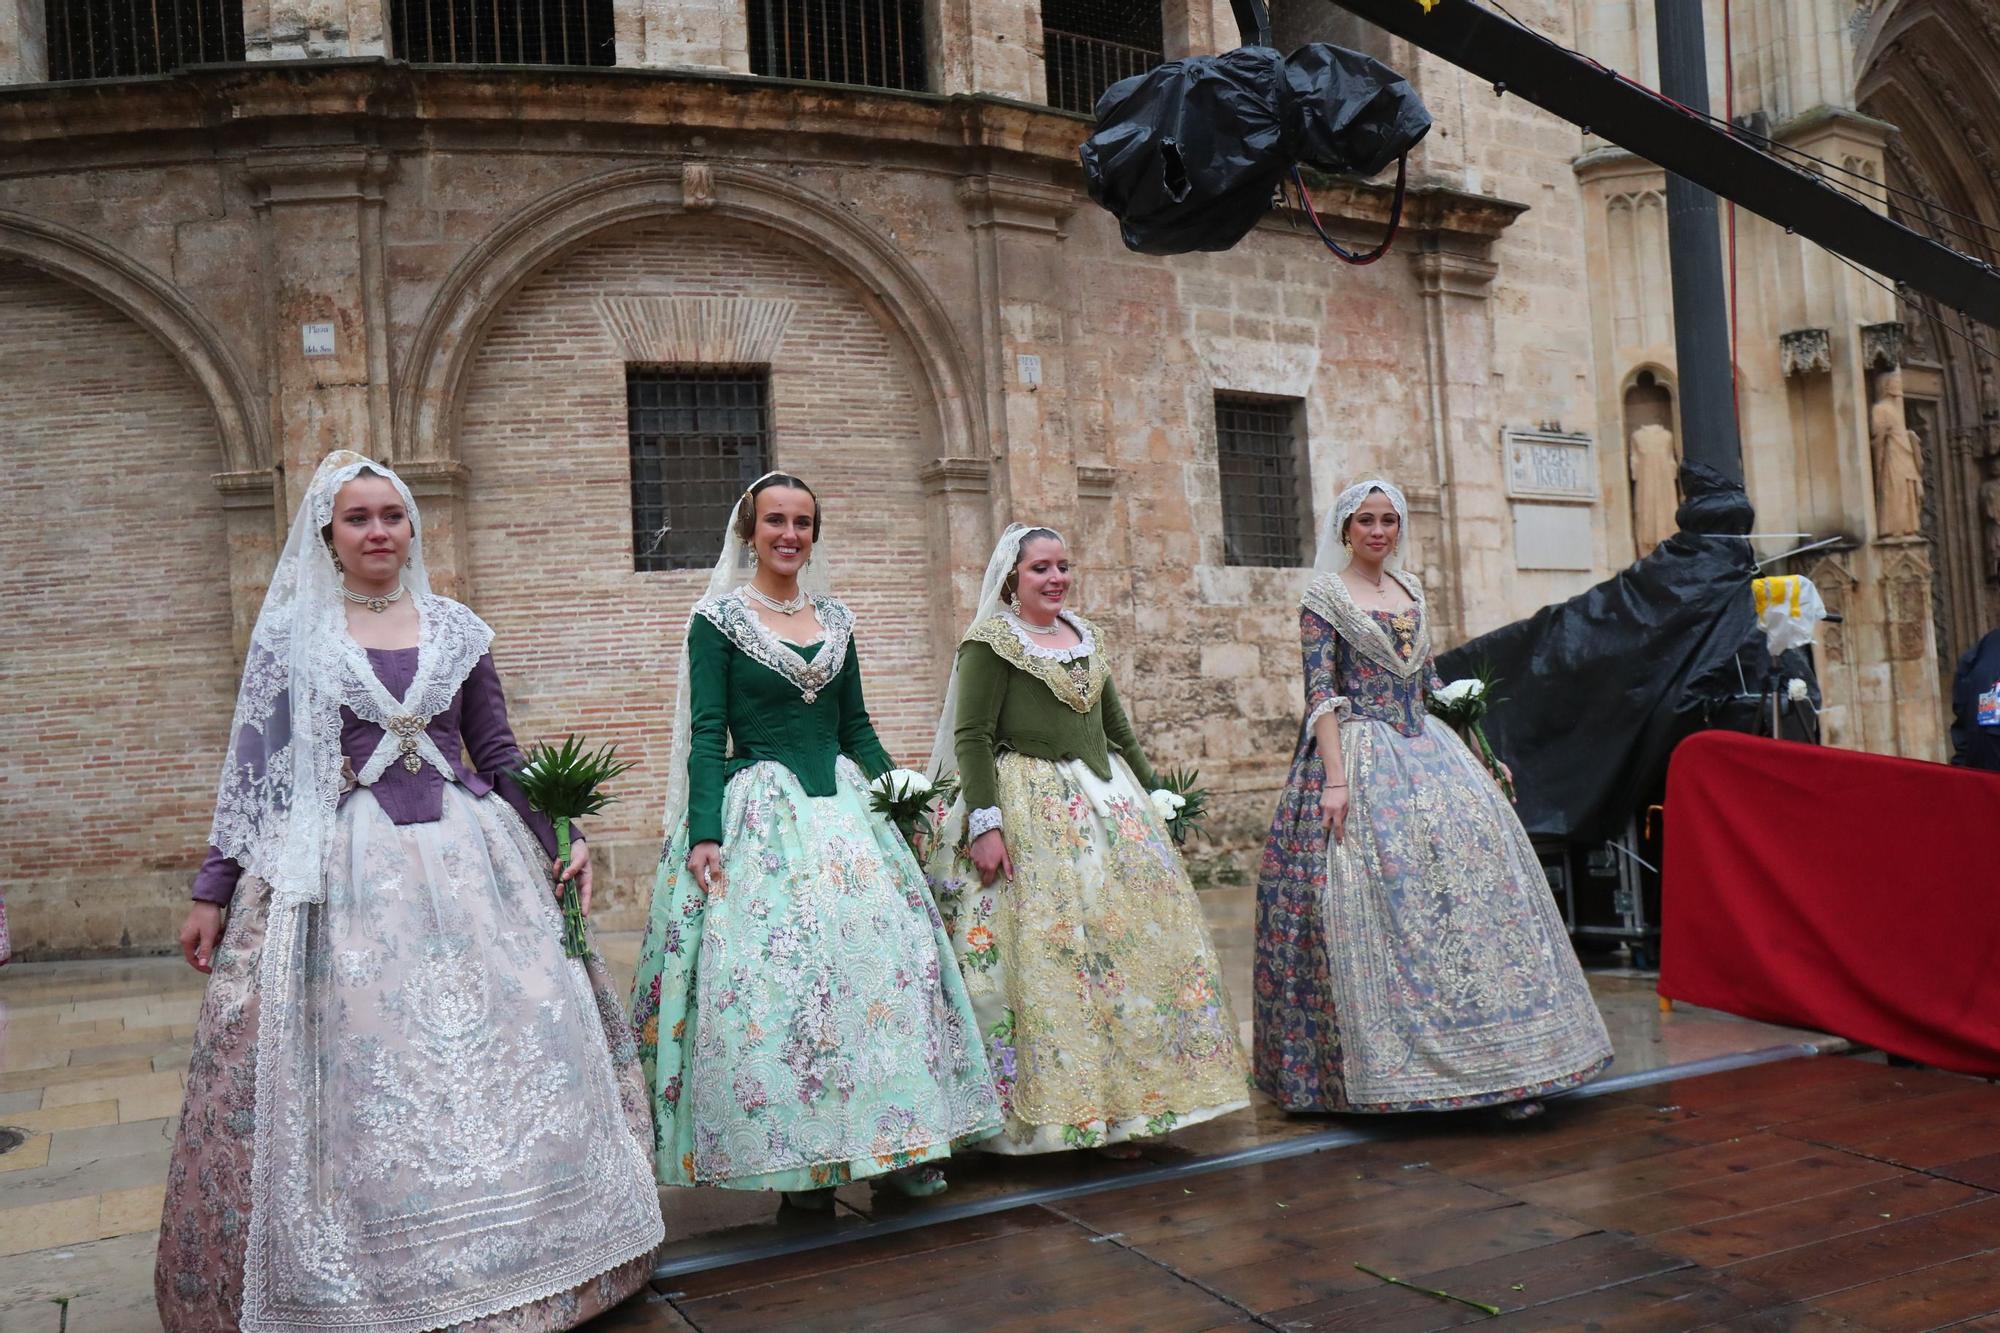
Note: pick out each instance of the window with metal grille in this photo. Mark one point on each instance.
(113, 39)
(503, 32)
(877, 43)
(699, 437)
(1266, 490)
(1088, 45)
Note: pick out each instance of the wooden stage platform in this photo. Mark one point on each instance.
(1822, 1193)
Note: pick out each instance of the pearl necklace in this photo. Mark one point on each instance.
(376, 602)
(789, 608)
(1033, 628)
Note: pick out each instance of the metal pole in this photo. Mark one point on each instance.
(1701, 320)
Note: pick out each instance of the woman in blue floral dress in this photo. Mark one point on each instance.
(1409, 954)
(800, 1019)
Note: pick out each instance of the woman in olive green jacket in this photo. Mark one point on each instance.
(1083, 949)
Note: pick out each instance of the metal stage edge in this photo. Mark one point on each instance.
(1344, 1136)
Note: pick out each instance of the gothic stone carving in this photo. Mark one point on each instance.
(1806, 352)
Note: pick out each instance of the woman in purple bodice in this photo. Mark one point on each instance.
(406, 1107)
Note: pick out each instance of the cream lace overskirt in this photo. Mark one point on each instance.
(1096, 986)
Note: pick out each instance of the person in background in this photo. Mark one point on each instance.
(1975, 703)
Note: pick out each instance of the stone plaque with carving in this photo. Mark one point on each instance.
(1546, 465)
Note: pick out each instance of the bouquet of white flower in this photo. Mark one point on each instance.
(1461, 705)
(1181, 803)
(912, 802)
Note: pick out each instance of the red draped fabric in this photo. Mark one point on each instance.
(1850, 893)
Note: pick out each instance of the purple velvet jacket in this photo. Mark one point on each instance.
(474, 724)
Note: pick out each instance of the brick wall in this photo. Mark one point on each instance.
(585, 643)
(114, 573)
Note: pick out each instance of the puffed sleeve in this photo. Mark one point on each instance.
(490, 744)
(858, 740)
(708, 650)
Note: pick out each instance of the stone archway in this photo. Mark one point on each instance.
(478, 287)
(514, 405)
(156, 306)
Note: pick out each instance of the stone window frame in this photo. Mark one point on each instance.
(908, 47)
(1080, 59)
(92, 39)
(681, 500)
(450, 33)
(1264, 487)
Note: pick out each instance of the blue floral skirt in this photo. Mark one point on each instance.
(1421, 964)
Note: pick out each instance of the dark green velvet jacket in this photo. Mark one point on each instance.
(754, 697)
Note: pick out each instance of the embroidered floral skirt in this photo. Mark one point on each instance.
(801, 1023)
(406, 1109)
(1096, 985)
(1424, 965)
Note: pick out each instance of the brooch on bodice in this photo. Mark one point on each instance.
(1405, 626)
(407, 729)
(811, 679)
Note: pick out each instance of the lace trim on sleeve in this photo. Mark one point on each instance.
(982, 821)
(1339, 705)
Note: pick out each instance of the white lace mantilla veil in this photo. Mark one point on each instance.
(281, 778)
(944, 749)
(730, 570)
(1333, 555)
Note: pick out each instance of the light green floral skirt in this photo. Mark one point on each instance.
(802, 1024)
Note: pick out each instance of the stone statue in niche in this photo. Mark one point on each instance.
(1652, 456)
(1899, 461)
(1655, 495)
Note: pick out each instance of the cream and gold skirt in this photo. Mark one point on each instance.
(1092, 974)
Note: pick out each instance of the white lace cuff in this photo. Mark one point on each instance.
(982, 821)
(1339, 705)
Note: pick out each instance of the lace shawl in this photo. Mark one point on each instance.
(1076, 680)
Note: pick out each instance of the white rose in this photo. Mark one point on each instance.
(1167, 804)
(1462, 689)
(1795, 690)
(900, 782)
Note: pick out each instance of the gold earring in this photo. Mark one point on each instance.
(338, 568)
(1014, 604)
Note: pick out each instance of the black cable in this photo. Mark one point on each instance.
(1764, 141)
(1961, 334)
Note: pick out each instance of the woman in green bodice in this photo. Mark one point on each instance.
(1082, 944)
(800, 1020)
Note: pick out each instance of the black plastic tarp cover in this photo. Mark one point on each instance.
(1188, 155)
(1595, 692)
